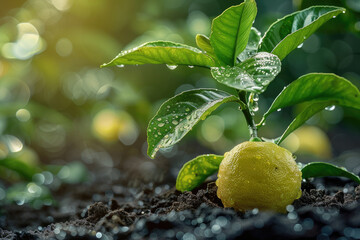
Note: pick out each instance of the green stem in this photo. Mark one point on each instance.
(249, 118)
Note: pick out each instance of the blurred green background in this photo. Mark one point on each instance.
(58, 109)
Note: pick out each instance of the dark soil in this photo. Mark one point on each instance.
(158, 213)
(121, 203)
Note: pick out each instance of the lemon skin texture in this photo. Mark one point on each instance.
(258, 175)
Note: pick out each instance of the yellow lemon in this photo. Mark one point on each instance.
(258, 175)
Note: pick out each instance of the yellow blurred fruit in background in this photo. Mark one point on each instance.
(309, 140)
(109, 125)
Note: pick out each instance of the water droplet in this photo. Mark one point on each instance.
(334, 16)
(279, 110)
(190, 66)
(161, 124)
(175, 122)
(187, 109)
(343, 11)
(159, 119)
(254, 106)
(330, 108)
(171, 67)
(300, 46)
(120, 65)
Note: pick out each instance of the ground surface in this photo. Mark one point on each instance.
(117, 205)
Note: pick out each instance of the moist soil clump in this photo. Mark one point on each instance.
(162, 213)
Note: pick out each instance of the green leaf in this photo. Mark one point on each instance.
(230, 31)
(252, 75)
(321, 169)
(195, 172)
(203, 42)
(324, 87)
(310, 110)
(252, 45)
(288, 33)
(177, 116)
(24, 170)
(161, 52)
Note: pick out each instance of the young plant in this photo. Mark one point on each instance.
(240, 57)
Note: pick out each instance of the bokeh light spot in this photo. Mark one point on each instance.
(64, 47)
(23, 115)
(213, 128)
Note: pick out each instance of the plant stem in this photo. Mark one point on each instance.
(249, 118)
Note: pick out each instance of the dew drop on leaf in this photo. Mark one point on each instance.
(161, 124)
(330, 108)
(175, 122)
(300, 46)
(171, 67)
(120, 65)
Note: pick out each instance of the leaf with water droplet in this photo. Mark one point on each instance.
(322, 169)
(310, 110)
(195, 172)
(319, 90)
(230, 31)
(162, 52)
(252, 45)
(252, 75)
(186, 109)
(288, 33)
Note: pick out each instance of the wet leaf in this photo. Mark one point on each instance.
(321, 169)
(252, 45)
(325, 87)
(310, 110)
(195, 172)
(230, 31)
(252, 75)
(288, 33)
(177, 116)
(162, 52)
